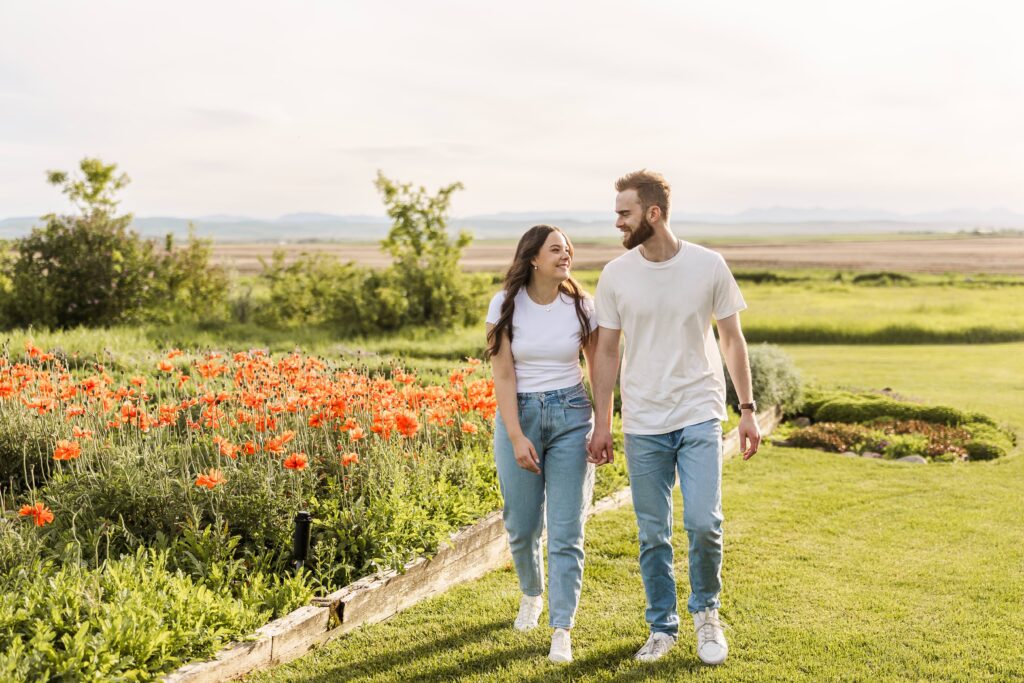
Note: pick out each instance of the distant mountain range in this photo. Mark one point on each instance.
(772, 221)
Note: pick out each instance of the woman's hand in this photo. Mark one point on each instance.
(526, 455)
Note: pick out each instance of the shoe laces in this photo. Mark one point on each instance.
(657, 645)
(711, 627)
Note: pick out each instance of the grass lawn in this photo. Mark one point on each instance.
(985, 377)
(836, 569)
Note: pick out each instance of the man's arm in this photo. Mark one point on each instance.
(734, 348)
(604, 367)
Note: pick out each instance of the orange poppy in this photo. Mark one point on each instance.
(210, 479)
(42, 514)
(407, 424)
(296, 461)
(350, 459)
(67, 450)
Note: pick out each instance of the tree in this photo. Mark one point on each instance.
(90, 269)
(426, 259)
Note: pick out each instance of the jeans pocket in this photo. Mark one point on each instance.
(578, 399)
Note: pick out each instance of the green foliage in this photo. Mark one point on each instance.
(424, 286)
(902, 445)
(988, 442)
(426, 272)
(188, 286)
(775, 379)
(902, 428)
(316, 289)
(849, 407)
(129, 619)
(92, 270)
(833, 437)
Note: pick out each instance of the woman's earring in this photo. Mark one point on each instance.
(535, 266)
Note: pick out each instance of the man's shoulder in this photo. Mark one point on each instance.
(703, 253)
(623, 260)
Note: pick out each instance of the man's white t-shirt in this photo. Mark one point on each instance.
(671, 372)
(545, 340)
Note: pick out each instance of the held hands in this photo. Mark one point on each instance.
(750, 434)
(526, 454)
(599, 450)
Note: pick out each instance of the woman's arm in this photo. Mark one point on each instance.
(504, 371)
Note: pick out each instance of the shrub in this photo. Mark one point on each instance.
(847, 407)
(882, 279)
(188, 286)
(91, 270)
(776, 381)
(988, 442)
(901, 445)
(835, 437)
(426, 270)
(130, 619)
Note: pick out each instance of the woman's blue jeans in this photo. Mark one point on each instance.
(695, 452)
(558, 424)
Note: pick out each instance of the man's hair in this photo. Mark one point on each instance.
(651, 188)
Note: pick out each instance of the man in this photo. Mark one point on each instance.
(662, 295)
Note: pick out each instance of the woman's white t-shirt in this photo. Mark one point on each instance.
(545, 340)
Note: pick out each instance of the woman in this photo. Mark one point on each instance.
(536, 326)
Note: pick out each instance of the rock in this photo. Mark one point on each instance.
(850, 454)
(870, 454)
(918, 459)
(802, 422)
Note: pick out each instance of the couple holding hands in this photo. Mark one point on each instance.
(661, 295)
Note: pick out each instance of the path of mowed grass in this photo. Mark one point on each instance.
(836, 569)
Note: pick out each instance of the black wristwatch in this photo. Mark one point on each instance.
(752, 406)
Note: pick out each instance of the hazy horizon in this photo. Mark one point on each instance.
(267, 108)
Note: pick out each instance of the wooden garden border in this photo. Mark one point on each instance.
(471, 553)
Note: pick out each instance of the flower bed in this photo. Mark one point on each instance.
(881, 426)
(186, 478)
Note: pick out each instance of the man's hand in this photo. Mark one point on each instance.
(599, 450)
(750, 434)
(526, 454)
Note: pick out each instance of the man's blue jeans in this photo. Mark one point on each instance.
(695, 452)
(558, 424)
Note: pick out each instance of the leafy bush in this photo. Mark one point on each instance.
(834, 437)
(91, 270)
(882, 279)
(988, 442)
(847, 407)
(426, 272)
(130, 619)
(901, 445)
(776, 381)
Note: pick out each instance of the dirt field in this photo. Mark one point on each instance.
(996, 255)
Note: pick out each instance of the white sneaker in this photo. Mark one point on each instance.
(655, 647)
(530, 607)
(561, 646)
(711, 645)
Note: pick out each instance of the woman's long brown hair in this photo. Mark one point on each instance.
(518, 276)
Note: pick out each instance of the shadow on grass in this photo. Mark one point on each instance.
(445, 659)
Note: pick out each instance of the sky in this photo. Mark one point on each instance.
(264, 108)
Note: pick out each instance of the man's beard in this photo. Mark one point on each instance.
(635, 238)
